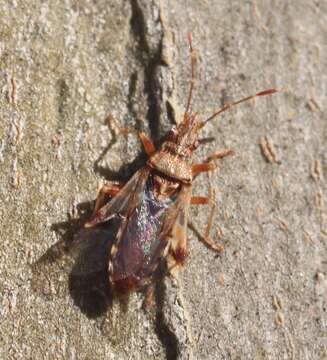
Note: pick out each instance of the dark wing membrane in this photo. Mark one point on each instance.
(125, 201)
(143, 236)
(91, 242)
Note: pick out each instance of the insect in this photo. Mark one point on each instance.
(153, 205)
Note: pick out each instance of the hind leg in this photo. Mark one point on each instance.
(199, 200)
(109, 190)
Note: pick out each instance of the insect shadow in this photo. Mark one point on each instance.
(89, 280)
(82, 253)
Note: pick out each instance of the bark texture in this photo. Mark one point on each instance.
(65, 65)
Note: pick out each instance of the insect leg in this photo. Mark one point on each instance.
(207, 239)
(199, 200)
(220, 154)
(208, 165)
(205, 167)
(109, 189)
(145, 140)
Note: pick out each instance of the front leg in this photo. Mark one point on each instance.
(220, 154)
(208, 165)
(145, 140)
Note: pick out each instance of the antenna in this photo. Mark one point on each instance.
(192, 82)
(228, 106)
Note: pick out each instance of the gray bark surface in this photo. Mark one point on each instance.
(65, 65)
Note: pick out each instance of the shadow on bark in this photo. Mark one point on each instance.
(83, 253)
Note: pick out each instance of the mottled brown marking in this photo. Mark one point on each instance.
(316, 170)
(268, 149)
(313, 105)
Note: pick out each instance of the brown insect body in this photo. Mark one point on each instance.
(174, 159)
(153, 205)
(145, 233)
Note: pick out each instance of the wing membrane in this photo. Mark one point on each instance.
(144, 230)
(124, 201)
(144, 236)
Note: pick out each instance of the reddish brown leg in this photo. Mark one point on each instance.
(207, 238)
(205, 167)
(145, 140)
(199, 200)
(109, 189)
(208, 165)
(220, 154)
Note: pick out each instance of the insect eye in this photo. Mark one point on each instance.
(195, 144)
(172, 135)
